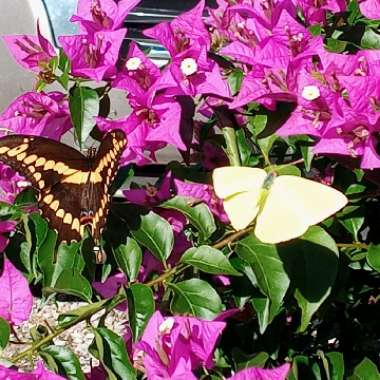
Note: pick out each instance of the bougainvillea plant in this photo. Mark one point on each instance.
(293, 85)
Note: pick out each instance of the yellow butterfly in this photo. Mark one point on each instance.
(284, 206)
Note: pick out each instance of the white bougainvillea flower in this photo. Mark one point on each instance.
(311, 92)
(189, 66)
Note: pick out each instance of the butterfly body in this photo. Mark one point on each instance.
(73, 188)
(284, 206)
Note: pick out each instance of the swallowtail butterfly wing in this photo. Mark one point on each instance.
(73, 189)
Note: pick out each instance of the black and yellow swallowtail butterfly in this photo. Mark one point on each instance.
(73, 189)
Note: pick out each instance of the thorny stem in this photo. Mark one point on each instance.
(352, 245)
(115, 301)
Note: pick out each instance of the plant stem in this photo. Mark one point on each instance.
(352, 245)
(232, 147)
(232, 237)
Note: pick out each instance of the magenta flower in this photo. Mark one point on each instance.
(6, 226)
(150, 127)
(195, 74)
(173, 347)
(279, 373)
(351, 134)
(38, 113)
(183, 32)
(315, 12)
(16, 300)
(94, 55)
(40, 373)
(370, 8)
(95, 15)
(138, 74)
(201, 192)
(31, 52)
(110, 287)
(11, 183)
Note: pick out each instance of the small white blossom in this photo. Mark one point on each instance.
(166, 326)
(133, 63)
(311, 92)
(189, 66)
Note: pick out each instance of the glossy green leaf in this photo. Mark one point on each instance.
(195, 297)
(370, 39)
(234, 81)
(312, 263)
(352, 218)
(365, 370)
(129, 257)
(209, 260)
(62, 270)
(140, 308)
(245, 149)
(199, 216)
(156, 234)
(5, 331)
(243, 362)
(40, 227)
(112, 353)
(271, 276)
(336, 364)
(373, 257)
(84, 107)
(63, 361)
(46, 257)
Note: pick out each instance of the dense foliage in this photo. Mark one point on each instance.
(292, 86)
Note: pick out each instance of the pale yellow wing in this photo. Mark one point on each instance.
(240, 189)
(293, 205)
(242, 208)
(231, 180)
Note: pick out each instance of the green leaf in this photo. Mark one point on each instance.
(312, 263)
(373, 257)
(111, 352)
(234, 81)
(244, 148)
(336, 364)
(336, 46)
(62, 360)
(370, 39)
(129, 257)
(266, 144)
(352, 219)
(199, 216)
(84, 107)
(195, 297)
(243, 362)
(287, 170)
(270, 274)
(5, 331)
(365, 370)
(156, 234)
(209, 260)
(62, 270)
(140, 308)
(257, 124)
(40, 227)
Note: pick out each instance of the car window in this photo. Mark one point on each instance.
(59, 13)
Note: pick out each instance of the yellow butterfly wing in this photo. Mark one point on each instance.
(240, 188)
(293, 205)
